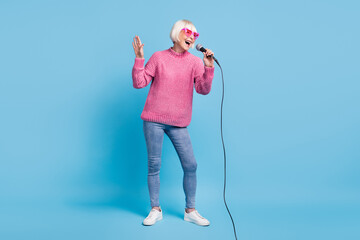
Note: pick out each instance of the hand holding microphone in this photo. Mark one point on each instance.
(208, 55)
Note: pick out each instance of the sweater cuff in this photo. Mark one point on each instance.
(209, 69)
(139, 62)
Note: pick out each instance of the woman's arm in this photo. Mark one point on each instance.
(142, 76)
(203, 79)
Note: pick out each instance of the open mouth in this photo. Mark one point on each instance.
(188, 43)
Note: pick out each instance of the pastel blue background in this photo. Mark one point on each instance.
(72, 150)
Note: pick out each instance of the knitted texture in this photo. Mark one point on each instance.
(173, 76)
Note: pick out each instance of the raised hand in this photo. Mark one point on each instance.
(138, 47)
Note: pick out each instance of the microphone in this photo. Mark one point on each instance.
(200, 48)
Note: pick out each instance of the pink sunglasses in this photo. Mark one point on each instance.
(188, 33)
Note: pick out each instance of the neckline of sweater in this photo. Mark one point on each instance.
(178, 55)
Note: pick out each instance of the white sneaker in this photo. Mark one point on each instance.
(196, 218)
(153, 217)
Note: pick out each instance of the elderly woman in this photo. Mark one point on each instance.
(173, 73)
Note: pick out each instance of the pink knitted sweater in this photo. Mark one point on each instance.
(172, 76)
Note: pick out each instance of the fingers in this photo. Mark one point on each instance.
(139, 41)
(137, 45)
(134, 43)
(208, 52)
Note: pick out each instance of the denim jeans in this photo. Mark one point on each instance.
(180, 138)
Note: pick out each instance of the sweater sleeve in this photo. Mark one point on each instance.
(141, 75)
(203, 78)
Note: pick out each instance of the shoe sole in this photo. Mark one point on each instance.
(158, 219)
(200, 224)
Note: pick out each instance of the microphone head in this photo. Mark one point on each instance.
(198, 47)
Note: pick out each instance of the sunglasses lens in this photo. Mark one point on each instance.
(196, 35)
(188, 32)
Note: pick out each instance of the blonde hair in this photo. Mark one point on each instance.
(176, 29)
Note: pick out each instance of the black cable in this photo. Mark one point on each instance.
(224, 147)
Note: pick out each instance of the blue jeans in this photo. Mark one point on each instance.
(179, 136)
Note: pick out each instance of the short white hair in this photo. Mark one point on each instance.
(176, 29)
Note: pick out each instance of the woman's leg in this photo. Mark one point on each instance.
(154, 136)
(180, 138)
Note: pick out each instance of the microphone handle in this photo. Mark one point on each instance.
(204, 50)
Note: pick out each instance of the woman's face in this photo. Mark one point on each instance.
(185, 41)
